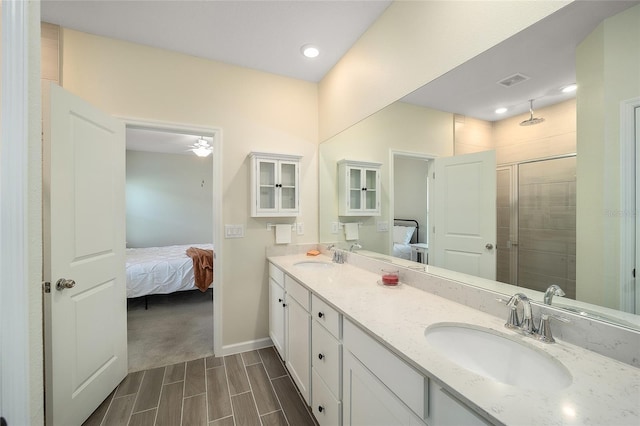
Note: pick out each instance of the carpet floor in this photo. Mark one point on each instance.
(175, 328)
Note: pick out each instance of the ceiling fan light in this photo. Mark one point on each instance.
(570, 88)
(202, 151)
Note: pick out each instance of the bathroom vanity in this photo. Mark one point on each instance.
(376, 354)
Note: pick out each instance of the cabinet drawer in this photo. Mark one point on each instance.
(327, 316)
(297, 291)
(276, 274)
(326, 357)
(398, 376)
(326, 408)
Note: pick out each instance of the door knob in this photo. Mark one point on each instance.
(489, 246)
(63, 283)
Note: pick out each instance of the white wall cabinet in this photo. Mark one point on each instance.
(275, 185)
(358, 188)
(290, 327)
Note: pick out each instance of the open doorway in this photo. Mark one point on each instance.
(410, 206)
(170, 209)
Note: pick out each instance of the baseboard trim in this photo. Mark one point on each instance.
(250, 345)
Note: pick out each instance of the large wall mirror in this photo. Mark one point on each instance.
(565, 163)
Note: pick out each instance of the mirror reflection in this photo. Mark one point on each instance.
(553, 173)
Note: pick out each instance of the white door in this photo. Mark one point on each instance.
(464, 207)
(84, 225)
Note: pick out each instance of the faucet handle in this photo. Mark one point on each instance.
(544, 330)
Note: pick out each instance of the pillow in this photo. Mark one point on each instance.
(403, 234)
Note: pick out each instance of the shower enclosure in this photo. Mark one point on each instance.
(536, 215)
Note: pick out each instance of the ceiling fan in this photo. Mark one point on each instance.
(201, 148)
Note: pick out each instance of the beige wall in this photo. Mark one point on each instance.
(411, 44)
(608, 66)
(255, 110)
(472, 135)
(401, 126)
(556, 135)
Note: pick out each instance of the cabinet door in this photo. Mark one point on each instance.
(371, 192)
(287, 192)
(299, 346)
(277, 317)
(266, 186)
(367, 401)
(355, 188)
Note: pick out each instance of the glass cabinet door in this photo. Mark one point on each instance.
(288, 173)
(267, 185)
(371, 193)
(355, 189)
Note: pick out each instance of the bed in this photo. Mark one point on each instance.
(405, 233)
(160, 270)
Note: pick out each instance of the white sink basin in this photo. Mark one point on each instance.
(497, 357)
(311, 264)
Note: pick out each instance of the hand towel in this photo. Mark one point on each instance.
(351, 231)
(283, 234)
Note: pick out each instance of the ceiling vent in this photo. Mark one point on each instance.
(512, 80)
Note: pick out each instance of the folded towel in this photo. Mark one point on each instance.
(351, 231)
(202, 267)
(283, 234)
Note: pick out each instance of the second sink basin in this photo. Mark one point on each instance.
(311, 264)
(497, 357)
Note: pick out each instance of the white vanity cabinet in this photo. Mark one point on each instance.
(326, 361)
(378, 387)
(275, 185)
(358, 188)
(290, 326)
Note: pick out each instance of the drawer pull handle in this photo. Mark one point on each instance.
(280, 300)
(320, 408)
(320, 314)
(320, 356)
(284, 305)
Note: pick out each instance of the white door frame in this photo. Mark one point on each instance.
(393, 153)
(218, 231)
(629, 160)
(20, 217)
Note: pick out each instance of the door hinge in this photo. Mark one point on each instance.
(633, 272)
(46, 287)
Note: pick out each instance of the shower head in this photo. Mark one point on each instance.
(531, 120)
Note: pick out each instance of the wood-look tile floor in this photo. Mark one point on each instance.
(252, 388)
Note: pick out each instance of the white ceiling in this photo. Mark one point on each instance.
(263, 35)
(267, 35)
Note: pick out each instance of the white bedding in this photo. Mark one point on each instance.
(160, 270)
(403, 251)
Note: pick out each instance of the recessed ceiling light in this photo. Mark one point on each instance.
(501, 110)
(570, 88)
(310, 51)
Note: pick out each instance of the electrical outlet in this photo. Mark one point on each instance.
(383, 226)
(234, 231)
(300, 228)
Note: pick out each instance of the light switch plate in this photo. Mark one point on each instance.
(383, 226)
(234, 231)
(335, 227)
(300, 228)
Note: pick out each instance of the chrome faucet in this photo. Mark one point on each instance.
(338, 256)
(354, 246)
(553, 290)
(526, 325)
(330, 247)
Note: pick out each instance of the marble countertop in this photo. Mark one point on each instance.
(603, 391)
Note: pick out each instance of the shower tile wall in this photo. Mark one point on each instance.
(547, 224)
(541, 216)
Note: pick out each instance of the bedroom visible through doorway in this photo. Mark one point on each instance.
(170, 193)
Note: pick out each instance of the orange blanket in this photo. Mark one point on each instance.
(202, 266)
